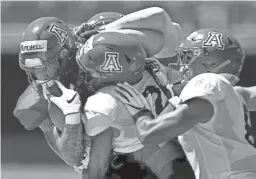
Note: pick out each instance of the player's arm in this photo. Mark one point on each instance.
(49, 129)
(175, 123)
(70, 140)
(67, 144)
(152, 41)
(249, 95)
(194, 105)
(100, 154)
(156, 19)
(98, 127)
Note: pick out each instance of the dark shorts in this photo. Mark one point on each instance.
(166, 162)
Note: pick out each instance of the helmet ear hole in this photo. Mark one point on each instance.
(128, 59)
(63, 52)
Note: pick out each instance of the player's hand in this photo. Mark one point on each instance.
(135, 102)
(69, 102)
(85, 31)
(157, 70)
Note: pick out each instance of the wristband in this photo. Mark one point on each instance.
(143, 112)
(73, 118)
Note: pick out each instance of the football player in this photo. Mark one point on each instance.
(157, 19)
(172, 38)
(47, 53)
(109, 58)
(211, 117)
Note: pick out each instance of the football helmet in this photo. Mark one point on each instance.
(209, 50)
(109, 58)
(45, 48)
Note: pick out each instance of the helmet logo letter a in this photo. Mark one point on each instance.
(111, 63)
(214, 39)
(60, 33)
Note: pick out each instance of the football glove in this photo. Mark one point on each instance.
(69, 102)
(85, 31)
(135, 102)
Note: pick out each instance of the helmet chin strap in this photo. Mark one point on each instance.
(215, 70)
(233, 79)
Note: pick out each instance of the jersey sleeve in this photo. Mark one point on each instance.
(212, 87)
(100, 112)
(31, 109)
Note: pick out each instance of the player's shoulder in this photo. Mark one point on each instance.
(211, 78)
(208, 85)
(31, 109)
(104, 101)
(100, 110)
(209, 81)
(28, 98)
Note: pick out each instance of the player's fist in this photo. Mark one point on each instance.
(69, 102)
(85, 31)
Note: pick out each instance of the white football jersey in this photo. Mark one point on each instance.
(222, 148)
(104, 110)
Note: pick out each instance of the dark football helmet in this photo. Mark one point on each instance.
(110, 58)
(45, 48)
(210, 50)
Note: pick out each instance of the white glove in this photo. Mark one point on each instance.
(135, 102)
(69, 102)
(175, 101)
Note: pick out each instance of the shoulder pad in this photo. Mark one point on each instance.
(210, 86)
(101, 102)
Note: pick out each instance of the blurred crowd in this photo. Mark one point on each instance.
(237, 17)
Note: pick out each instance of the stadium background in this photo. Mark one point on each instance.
(25, 154)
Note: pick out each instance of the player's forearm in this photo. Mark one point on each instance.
(163, 128)
(151, 41)
(97, 174)
(98, 171)
(70, 142)
(100, 154)
(49, 129)
(153, 18)
(156, 19)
